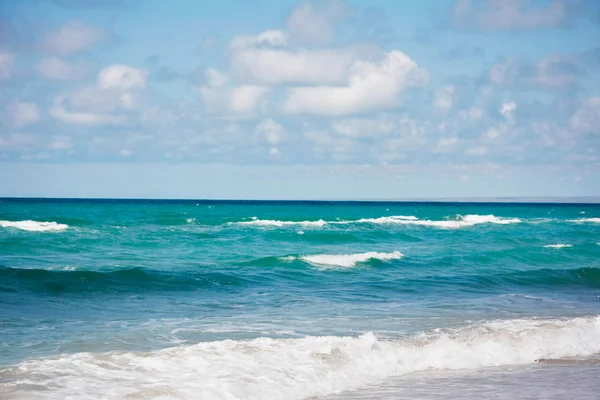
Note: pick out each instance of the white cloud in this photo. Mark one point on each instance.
(492, 133)
(509, 14)
(59, 111)
(271, 131)
(122, 77)
(443, 98)
(18, 114)
(472, 114)
(587, 117)
(262, 59)
(60, 143)
(365, 127)
(312, 24)
(72, 37)
(7, 65)
(233, 101)
(274, 38)
(370, 87)
(54, 68)
(477, 151)
(445, 145)
(507, 110)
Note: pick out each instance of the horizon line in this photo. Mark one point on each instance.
(491, 199)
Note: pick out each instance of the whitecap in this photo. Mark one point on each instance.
(458, 222)
(349, 260)
(313, 366)
(558, 246)
(278, 224)
(584, 220)
(34, 226)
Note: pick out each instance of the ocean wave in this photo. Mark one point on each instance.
(458, 221)
(464, 221)
(34, 226)
(386, 220)
(584, 220)
(267, 368)
(558, 246)
(278, 224)
(71, 280)
(349, 260)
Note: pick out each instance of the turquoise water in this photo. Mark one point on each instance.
(213, 299)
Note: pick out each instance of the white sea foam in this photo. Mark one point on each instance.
(291, 369)
(279, 224)
(458, 222)
(584, 220)
(34, 226)
(387, 220)
(190, 220)
(558, 245)
(349, 260)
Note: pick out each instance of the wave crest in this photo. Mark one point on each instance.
(278, 224)
(34, 226)
(584, 220)
(458, 221)
(267, 368)
(349, 260)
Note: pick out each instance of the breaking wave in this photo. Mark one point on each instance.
(34, 226)
(349, 260)
(267, 368)
(455, 223)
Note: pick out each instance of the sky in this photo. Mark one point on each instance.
(319, 99)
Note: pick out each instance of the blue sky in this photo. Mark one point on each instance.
(310, 99)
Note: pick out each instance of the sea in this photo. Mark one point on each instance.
(206, 299)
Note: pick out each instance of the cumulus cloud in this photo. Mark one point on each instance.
(445, 145)
(443, 98)
(7, 65)
(587, 117)
(471, 114)
(507, 109)
(478, 151)
(72, 37)
(18, 114)
(271, 131)
(122, 77)
(107, 103)
(264, 59)
(231, 101)
(365, 127)
(512, 14)
(370, 87)
(60, 143)
(54, 68)
(60, 112)
(314, 23)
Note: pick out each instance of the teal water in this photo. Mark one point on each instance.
(219, 299)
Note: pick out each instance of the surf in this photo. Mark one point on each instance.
(267, 368)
